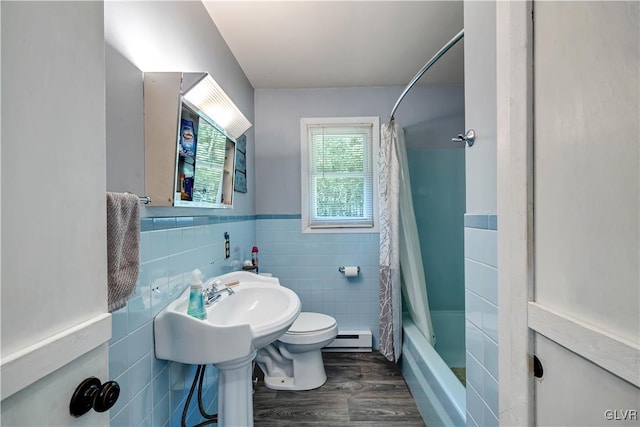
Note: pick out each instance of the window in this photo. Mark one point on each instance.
(339, 174)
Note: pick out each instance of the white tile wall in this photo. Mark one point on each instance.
(481, 299)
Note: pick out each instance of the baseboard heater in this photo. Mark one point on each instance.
(355, 341)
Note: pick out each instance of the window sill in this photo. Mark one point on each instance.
(340, 230)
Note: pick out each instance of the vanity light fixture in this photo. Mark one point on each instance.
(201, 90)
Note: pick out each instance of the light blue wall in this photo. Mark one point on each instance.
(308, 264)
(277, 127)
(165, 36)
(481, 260)
(437, 172)
(153, 391)
(437, 184)
(182, 32)
(481, 235)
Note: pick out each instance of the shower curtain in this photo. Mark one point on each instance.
(401, 269)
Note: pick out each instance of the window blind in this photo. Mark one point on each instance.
(340, 176)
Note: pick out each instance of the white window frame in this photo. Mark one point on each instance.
(305, 122)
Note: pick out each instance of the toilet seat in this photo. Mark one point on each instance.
(310, 328)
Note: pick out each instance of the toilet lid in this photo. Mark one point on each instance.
(311, 322)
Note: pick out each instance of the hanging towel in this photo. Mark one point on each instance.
(123, 247)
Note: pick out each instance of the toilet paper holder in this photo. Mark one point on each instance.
(341, 269)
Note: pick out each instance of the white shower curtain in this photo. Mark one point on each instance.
(401, 268)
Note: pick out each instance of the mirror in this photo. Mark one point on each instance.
(190, 132)
(204, 163)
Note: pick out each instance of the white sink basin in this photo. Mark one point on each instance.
(259, 312)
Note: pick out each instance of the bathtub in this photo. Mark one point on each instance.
(439, 395)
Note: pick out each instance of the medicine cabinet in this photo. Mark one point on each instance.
(189, 156)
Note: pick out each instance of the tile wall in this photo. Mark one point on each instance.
(481, 299)
(153, 392)
(308, 264)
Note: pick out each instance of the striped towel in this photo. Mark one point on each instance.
(123, 247)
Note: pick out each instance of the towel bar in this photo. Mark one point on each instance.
(142, 199)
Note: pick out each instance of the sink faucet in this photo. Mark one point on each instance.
(212, 295)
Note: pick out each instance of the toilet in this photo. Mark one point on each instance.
(294, 362)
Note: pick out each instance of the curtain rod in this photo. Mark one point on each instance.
(424, 69)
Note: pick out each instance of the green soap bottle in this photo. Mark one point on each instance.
(196, 300)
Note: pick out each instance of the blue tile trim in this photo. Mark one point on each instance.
(165, 223)
(484, 222)
(184, 221)
(493, 222)
(200, 220)
(476, 221)
(279, 216)
(146, 224)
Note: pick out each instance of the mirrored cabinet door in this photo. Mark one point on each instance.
(189, 158)
(205, 154)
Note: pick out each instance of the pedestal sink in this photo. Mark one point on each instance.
(258, 312)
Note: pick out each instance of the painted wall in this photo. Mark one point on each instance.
(165, 36)
(308, 263)
(277, 126)
(481, 285)
(38, 123)
(480, 105)
(54, 269)
(587, 267)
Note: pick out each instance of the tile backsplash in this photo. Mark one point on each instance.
(153, 391)
(308, 264)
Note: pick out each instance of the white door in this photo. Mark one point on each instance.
(586, 182)
(53, 222)
(581, 232)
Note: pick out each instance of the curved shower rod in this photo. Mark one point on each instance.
(424, 69)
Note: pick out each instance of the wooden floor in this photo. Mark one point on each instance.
(362, 389)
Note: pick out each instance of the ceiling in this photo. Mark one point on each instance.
(320, 44)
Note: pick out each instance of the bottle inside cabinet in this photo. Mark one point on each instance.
(205, 153)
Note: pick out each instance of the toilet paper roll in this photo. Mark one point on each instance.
(351, 271)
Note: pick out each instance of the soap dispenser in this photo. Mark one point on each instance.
(196, 300)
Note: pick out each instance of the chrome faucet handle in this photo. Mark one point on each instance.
(210, 296)
(215, 285)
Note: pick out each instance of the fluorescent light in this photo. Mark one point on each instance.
(209, 97)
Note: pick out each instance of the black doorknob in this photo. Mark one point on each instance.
(93, 394)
